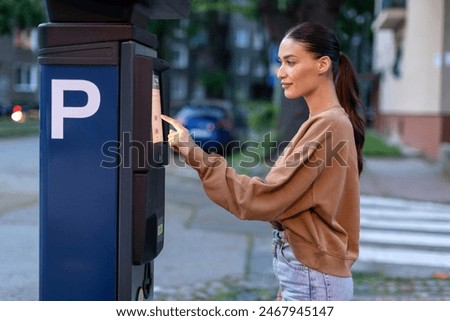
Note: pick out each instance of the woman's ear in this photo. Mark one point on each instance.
(324, 64)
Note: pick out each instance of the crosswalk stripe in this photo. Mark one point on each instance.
(405, 238)
(404, 233)
(406, 225)
(374, 201)
(405, 257)
(405, 214)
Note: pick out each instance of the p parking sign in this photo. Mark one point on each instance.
(79, 113)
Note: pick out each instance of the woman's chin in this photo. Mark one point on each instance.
(289, 95)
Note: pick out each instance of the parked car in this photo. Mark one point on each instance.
(213, 124)
(5, 110)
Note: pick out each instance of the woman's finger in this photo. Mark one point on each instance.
(175, 123)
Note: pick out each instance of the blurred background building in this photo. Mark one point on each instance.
(227, 50)
(221, 55)
(412, 59)
(18, 54)
(18, 70)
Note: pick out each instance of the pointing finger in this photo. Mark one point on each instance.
(175, 123)
(167, 119)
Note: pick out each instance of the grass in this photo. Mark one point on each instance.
(376, 146)
(9, 128)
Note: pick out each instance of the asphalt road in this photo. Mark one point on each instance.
(206, 247)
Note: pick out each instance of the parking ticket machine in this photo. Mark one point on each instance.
(103, 148)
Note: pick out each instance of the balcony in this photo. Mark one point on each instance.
(390, 18)
(391, 14)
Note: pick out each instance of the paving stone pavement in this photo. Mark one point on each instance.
(377, 288)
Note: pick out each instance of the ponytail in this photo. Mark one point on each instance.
(347, 90)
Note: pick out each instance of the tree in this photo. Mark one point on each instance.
(207, 31)
(19, 14)
(354, 32)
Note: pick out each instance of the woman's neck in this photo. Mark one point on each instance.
(322, 98)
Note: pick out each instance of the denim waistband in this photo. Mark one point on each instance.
(278, 236)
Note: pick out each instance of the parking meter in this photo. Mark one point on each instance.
(102, 146)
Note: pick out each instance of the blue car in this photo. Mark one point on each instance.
(211, 123)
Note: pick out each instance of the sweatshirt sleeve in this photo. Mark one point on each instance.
(289, 181)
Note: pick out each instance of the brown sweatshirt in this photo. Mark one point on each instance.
(312, 190)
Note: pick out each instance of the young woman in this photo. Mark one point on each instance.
(311, 194)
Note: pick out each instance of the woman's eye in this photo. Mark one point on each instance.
(290, 63)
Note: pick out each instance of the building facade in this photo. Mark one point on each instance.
(412, 59)
(19, 69)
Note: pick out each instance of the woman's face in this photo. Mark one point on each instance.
(299, 69)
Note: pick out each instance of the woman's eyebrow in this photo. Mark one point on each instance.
(288, 56)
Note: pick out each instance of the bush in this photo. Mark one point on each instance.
(262, 115)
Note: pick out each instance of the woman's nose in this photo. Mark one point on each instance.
(280, 73)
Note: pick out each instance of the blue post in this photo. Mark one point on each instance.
(79, 198)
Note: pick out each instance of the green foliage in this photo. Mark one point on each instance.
(355, 17)
(160, 26)
(262, 115)
(6, 10)
(248, 9)
(214, 82)
(20, 13)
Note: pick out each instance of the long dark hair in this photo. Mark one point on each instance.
(321, 41)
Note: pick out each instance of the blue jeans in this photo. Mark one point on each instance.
(298, 282)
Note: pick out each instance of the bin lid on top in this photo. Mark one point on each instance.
(136, 12)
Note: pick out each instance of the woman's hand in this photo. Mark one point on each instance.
(179, 139)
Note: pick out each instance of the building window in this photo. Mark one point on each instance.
(179, 87)
(242, 38)
(26, 39)
(260, 70)
(397, 67)
(393, 4)
(180, 31)
(258, 41)
(25, 77)
(381, 5)
(242, 65)
(180, 56)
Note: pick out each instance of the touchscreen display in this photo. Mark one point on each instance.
(157, 131)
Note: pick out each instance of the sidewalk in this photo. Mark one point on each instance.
(208, 253)
(410, 178)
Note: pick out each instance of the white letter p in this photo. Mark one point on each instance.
(59, 111)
